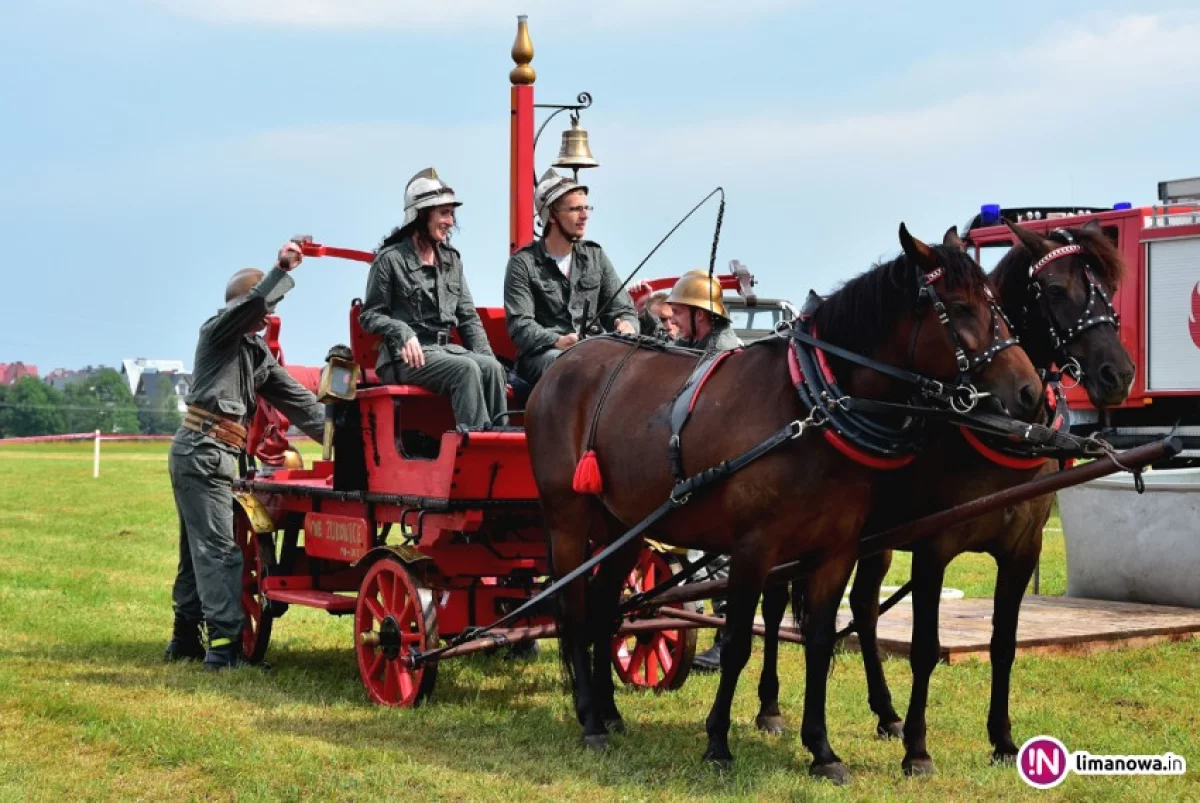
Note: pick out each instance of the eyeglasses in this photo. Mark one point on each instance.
(577, 209)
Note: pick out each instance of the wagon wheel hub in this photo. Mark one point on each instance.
(389, 637)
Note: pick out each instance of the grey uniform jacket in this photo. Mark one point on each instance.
(406, 298)
(233, 368)
(541, 305)
(721, 338)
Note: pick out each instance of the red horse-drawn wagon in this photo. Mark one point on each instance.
(418, 529)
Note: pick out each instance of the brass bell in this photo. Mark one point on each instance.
(575, 152)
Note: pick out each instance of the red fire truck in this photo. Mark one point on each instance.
(1158, 303)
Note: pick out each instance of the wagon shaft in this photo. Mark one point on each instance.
(926, 526)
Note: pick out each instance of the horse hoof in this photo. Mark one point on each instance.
(835, 772)
(771, 724)
(614, 725)
(892, 730)
(720, 760)
(597, 742)
(721, 765)
(918, 767)
(1002, 757)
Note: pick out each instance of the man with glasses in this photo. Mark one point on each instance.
(552, 283)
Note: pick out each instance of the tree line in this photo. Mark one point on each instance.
(102, 401)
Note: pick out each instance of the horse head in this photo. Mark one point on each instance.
(957, 329)
(1059, 291)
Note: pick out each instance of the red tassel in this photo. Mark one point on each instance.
(587, 475)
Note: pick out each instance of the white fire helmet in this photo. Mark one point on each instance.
(550, 188)
(424, 190)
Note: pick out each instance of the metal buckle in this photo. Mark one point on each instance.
(1073, 370)
(443, 338)
(964, 398)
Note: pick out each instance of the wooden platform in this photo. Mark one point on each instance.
(1057, 625)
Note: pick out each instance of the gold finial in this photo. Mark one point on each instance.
(522, 54)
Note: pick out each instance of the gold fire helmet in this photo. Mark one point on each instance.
(696, 289)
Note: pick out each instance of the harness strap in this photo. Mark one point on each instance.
(683, 404)
(927, 386)
(604, 394)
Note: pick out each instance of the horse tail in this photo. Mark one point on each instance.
(566, 634)
(800, 614)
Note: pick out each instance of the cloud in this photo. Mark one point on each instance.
(457, 15)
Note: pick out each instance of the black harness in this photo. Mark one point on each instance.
(1098, 311)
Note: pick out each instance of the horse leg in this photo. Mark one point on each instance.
(822, 594)
(774, 603)
(604, 598)
(1012, 577)
(927, 575)
(576, 520)
(745, 586)
(864, 605)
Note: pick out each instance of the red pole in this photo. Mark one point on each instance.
(521, 177)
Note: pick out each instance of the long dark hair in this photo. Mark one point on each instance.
(420, 227)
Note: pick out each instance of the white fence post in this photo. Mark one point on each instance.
(96, 457)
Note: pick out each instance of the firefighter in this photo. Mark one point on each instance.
(551, 283)
(654, 313)
(233, 366)
(702, 323)
(417, 294)
(699, 313)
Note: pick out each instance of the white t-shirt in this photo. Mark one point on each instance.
(564, 264)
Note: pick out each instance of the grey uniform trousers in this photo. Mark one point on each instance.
(717, 570)
(208, 583)
(531, 367)
(475, 383)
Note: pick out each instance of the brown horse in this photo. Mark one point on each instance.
(803, 501)
(1061, 314)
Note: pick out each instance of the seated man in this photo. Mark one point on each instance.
(550, 283)
(655, 317)
(699, 313)
(416, 294)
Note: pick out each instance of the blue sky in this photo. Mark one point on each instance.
(152, 147)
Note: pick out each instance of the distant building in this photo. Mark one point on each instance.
(10, 372)
(152, 391)
(133, 370)
(61, 378)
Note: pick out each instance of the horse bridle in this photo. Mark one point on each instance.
(1061, 339)
(967, 366)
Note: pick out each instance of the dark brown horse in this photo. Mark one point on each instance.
(1060, 314)
(804, 501)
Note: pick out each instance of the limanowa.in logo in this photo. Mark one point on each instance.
(1043, 762)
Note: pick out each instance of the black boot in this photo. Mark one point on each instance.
(185, 644)
(524, 651)
(227, 654)
(710, 659)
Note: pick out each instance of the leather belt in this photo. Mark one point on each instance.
(216, 426)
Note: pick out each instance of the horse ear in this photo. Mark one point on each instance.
(917, 250)
(1036, 245)
(1092, 225)
(951, 239)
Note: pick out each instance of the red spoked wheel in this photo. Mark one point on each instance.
(258, 558)
(394, 616)
(661, 660)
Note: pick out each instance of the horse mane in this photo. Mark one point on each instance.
(1012, 272)
(863, 312)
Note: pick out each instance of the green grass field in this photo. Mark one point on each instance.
(87, 709)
